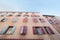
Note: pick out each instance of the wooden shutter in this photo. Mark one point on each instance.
(4, 30)
(12, 30)
(43, 32)
(46, 30)
(23, 30)
(50, 30)
(34, 30)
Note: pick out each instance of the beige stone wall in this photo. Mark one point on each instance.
(29, 25)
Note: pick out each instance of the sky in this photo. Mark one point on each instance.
(47, 7)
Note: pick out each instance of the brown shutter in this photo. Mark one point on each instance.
(43, 32)
(24, 30)
(34, 30)
(50, 30)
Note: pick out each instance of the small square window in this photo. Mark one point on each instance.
(18, 15)
(10, 15)
(26, 12)
(25, 15)
(42, 20)
(20, 12)
(35, 20)
(25, 19)
(15, 20)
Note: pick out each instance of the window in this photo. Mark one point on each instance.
(33, 15)
(10, 15)
(20, 12)
(4, 19)
(38, 15)
(25, 19)
(13, 12)
(38, 30)
(15, 20)
(35, 20)
(18, 15)
(23, 30)
(26, 15)
(50, 21)
(49, 30)
(8, 30)
(2, 15)
(42, 20)
(26, 12)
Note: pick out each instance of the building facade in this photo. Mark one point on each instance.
(27, 26)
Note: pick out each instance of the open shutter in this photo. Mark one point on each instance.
(23, 30)
(50, 30)
(4, 30)
(46, 30)
(43, 32)
(34, 30)
(12, 30)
